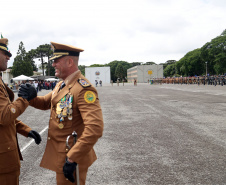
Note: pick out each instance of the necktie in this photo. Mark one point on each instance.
(62, 85)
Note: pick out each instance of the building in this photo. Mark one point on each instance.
(98, 73)
(143, 73)
(7, 76)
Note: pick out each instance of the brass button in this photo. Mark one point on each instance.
(51, 118)
(66, 149)
(48, 138)
(8, 148)
(66, 179)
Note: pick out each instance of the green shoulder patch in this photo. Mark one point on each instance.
(83, 83)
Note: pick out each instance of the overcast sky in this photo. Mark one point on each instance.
(108, 30)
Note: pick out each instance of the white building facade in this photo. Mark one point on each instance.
(143, 73)
(7, 76)
(98, 73)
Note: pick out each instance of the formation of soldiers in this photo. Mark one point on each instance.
(204, 80)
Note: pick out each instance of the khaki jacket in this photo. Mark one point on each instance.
(10, 155)
(87, 121)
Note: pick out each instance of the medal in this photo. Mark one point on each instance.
(64, 109)
(58, 109)
(62, 105)
(61, 126)
(69, 117)
(69, 111)
(64, 113)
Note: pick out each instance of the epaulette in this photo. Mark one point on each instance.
(83, 83)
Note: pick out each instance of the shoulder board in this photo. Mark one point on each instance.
(83, 83)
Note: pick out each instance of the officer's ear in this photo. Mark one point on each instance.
(68, 61)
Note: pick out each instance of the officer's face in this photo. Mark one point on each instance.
(3, 60)
(60, 68)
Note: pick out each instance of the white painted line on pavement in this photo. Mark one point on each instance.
(32, 140)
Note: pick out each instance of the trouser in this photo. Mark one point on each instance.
(11, 178)
(61, 180)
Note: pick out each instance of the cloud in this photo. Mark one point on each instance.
(130, 30)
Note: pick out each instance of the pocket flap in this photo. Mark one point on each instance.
(8, 146)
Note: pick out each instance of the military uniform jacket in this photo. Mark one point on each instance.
(10, 155)
(87, 121)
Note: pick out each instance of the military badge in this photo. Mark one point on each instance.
(13, 110)
(83, 83)
(90, 97)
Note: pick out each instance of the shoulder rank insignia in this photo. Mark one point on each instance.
(83, 83)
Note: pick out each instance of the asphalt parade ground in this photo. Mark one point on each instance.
(153, 134)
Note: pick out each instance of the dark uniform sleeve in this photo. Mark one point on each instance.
(91, 113)
(9, 111)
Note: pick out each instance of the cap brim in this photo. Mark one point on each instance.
(55, 57)
(8, 53)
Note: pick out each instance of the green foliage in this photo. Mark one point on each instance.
(214, 53)
(51, 68)
(170, 70)
(223, 33)
(136, 63)
(41, 52)
(149, 63)
(119, 72)
(97, 65)
(82, 69)
(22, 64)
(194, 62)
(30, 57)
(113, 65)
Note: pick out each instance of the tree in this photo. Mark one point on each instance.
(44, 51)
(223, 33)
(119, 72)
(214, 53)
(21, 64)
(50, 71)
(113, 65)
(149, 63)
(82, 69)
(97, 65)
(30, 56)
(136, 64)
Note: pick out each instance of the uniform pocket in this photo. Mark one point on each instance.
(9, 157)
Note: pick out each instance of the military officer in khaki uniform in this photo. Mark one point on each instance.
(10, 155)
(75, 107)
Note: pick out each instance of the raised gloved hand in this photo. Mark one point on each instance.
(35, 135)
(69, 169)
(27, 91)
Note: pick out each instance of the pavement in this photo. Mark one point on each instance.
(153, 134)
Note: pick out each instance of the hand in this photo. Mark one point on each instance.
(27, 91)
(69, 169)
(35, 135)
